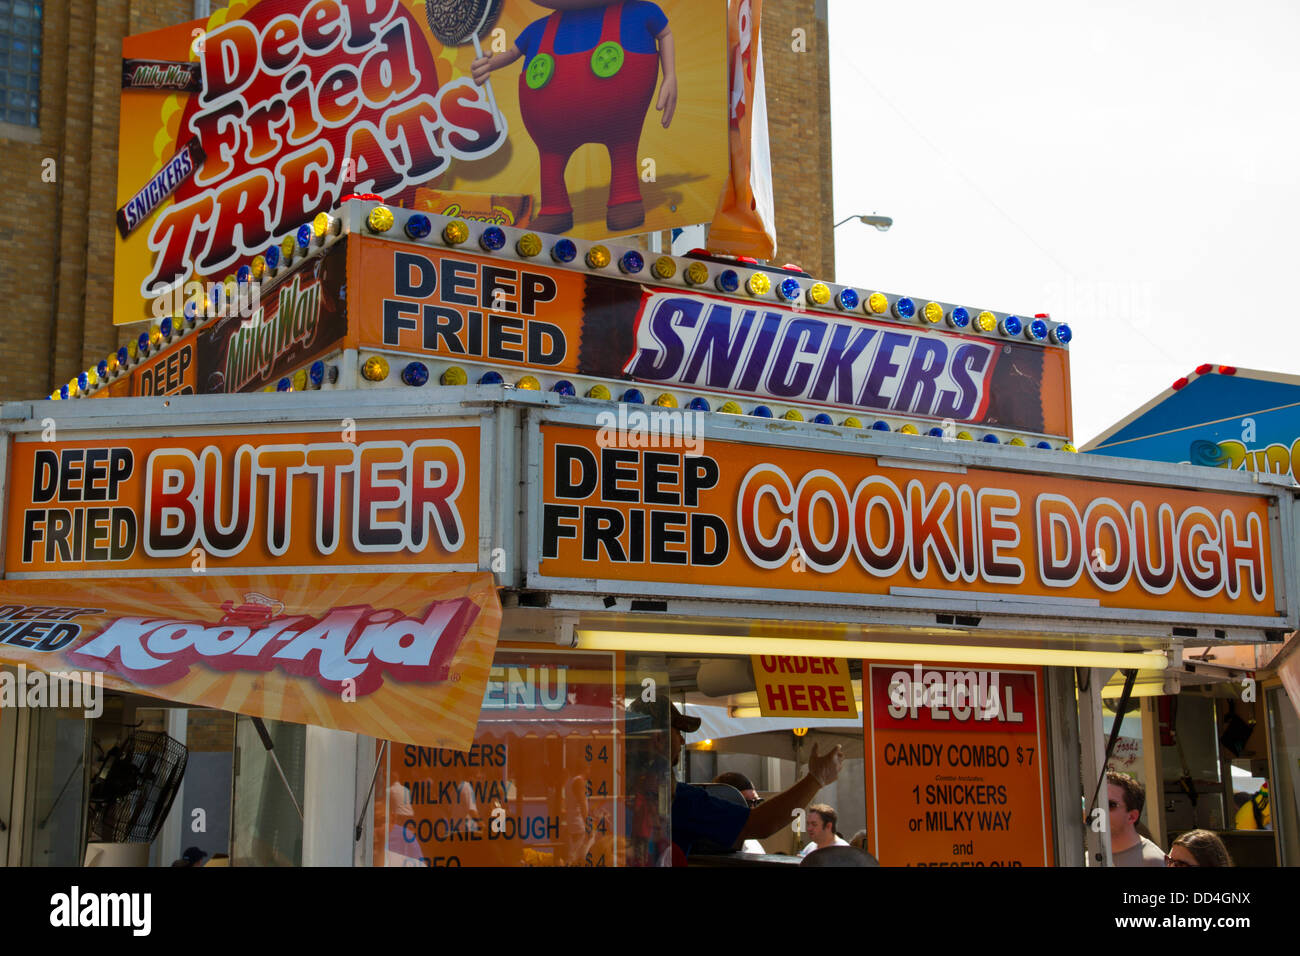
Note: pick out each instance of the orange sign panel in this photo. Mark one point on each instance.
(804, 686)
(174, 372)
(664, 505)
(403, 656)
(541, 785)
(955, 767)
(236, 501)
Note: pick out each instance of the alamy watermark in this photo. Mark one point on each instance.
(633, 427)
(960, 691)
(82, 690)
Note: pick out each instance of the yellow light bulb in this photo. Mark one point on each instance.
(299, 381)
(965, 436)
(599, 391)
(112, 362)
(375, 369)
(380, 219)
(155, 336)
(323, 224)
(932, 312)
(852, 422)
(133, 349)
(818, 293)
(730, 408)
(597, 257)
(92, 377)
(529, 245)
(455, 233)
(287, 248)
(986, 322)
(665, 267)
(908, 429)
(1069, 447)
(529, 384)
(758, 284)
(877, 303)
(1017, 441)
(73, 388)
(666, 401)
(454, 376)
(258, 266)
(793, 415)
(697, 273)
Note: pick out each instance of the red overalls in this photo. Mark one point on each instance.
(576, 106)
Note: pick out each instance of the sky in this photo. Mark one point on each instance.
(1127, 167)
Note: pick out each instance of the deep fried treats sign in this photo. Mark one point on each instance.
(299, 104)
(397, 655)
(227, 502)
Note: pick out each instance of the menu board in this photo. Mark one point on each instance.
(955, 768)
(540, 786)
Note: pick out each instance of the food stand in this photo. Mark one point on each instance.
(485, 486)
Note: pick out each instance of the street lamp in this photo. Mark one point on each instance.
(880, 222)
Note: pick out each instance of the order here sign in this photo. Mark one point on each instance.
(804, 687)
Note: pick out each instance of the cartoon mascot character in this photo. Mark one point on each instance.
(589, 74)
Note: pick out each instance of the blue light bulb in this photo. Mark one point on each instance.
(564, 251)
(564, 387)
(418, 226)
(415, 373)
(492, 238)
(631, 262)
(847, 299)
(633, 396)
(491, 378)
(761, 411)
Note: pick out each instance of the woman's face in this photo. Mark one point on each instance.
(1179, 855)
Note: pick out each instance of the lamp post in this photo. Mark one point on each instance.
(880, 222)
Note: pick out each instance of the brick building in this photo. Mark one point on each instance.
(59, 175)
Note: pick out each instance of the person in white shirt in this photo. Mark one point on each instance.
(821, 828)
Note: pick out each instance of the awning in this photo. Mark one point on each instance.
(397, 655)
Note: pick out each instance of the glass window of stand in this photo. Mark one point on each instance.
(559, 773)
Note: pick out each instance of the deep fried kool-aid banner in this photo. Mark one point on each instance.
(402, 656)
(462, 307)
(237, 129)
(197, 504)
(542, 784)
(637, 502)
(956, 771)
